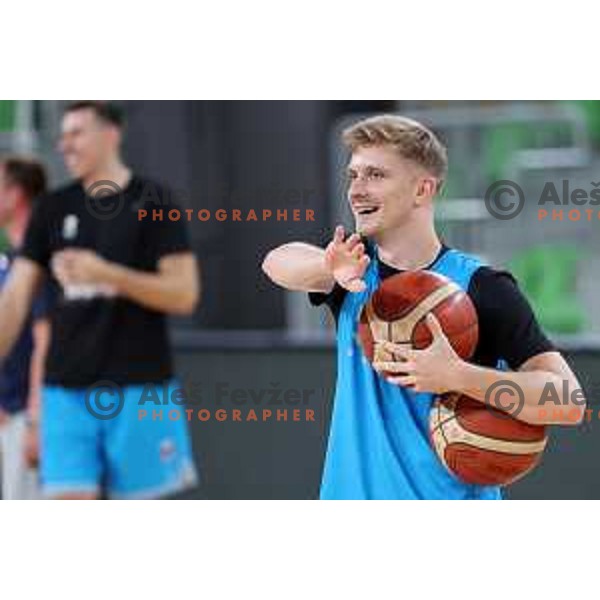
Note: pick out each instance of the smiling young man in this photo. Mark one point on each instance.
(118, 277)
(378, 442)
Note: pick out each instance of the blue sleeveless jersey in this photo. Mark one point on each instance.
(379, 437)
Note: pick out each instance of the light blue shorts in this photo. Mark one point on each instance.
(97, 439)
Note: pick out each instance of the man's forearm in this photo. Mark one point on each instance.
(300, 267)
(15, 302)
(157, 291)
(523, 394)
(11, 322)
(41, 342)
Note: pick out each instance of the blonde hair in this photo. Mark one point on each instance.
(412, 140)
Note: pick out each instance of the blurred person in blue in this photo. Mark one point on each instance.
(119, 277)
(22, 181)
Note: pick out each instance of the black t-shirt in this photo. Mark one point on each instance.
(95, 334)
(508, 328)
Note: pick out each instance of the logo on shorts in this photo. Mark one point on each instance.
(167, 450)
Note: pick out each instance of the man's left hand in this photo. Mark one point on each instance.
(433, 369)
(75, 266)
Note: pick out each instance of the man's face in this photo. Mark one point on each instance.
(382, 189)
(8, 198)
(86, 142)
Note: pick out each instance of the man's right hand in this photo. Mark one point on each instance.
(32, 445)
(347, 261)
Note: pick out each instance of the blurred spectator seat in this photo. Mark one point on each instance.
(500, 143)
(7, 115)
(546, 275)
(591, 113)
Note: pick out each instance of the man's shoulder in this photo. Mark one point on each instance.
(489, 276)
(494, 289)
(147, 189)
(57, 201)
(63, 192)
(462, 257)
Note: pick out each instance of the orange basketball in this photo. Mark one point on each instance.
(482, 445)
(396, 312)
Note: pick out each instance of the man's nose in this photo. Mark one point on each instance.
(357, 191)
(358, 188)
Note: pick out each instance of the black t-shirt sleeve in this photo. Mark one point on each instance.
(43, 303)
(333, 299)
(508, 328)
(165, 236)
(36, 245)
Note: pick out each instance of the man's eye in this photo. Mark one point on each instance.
(376, 175)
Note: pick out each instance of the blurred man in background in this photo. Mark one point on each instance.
(21, 373)
(120, 277)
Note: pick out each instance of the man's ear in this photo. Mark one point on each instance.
(115, 136)
(426, 188)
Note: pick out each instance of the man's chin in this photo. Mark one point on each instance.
(367, 229)
(78, 173)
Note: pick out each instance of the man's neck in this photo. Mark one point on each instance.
(410, 247)
(115, 172)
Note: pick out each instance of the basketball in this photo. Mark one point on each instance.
(396, 313)
(482, 445)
